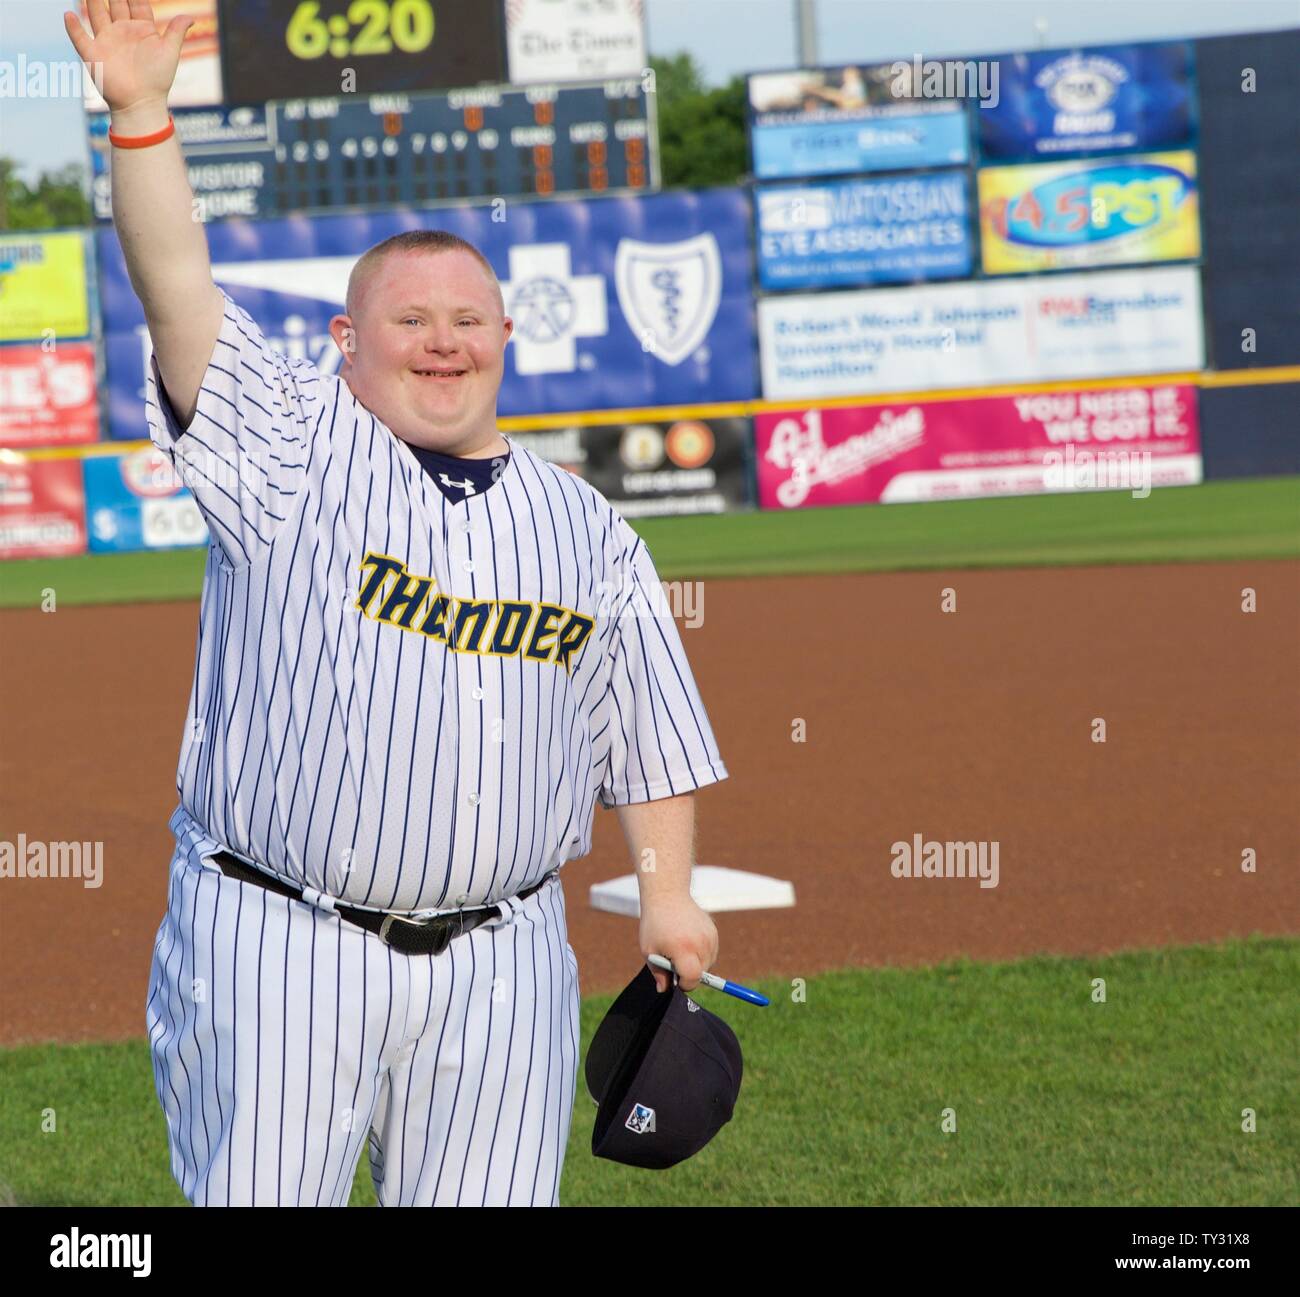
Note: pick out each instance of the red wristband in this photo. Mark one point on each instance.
(143, 141)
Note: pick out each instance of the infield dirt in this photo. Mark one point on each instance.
(969, 726)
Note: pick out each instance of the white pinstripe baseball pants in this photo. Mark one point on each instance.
(284, 1038)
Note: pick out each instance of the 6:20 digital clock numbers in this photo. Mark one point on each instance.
(277, 49)
(368, 27)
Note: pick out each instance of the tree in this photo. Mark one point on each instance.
(702, 137)
(677, 76)
(57, 200)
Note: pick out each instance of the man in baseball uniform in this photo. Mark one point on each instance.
(424, 654)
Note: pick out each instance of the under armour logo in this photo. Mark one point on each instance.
(692, 1007)
(467, 485)
(641, 1120)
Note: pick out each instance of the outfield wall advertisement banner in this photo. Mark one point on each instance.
(136, 501)
(1123, 438)
(672, 467)
(48, 397)
(1105, 211)
(43, 287)
(1098, 325)
(659, 467)
(829, 121)
(42, 507)
(616, 302)
(864, 232)
(1109, 99)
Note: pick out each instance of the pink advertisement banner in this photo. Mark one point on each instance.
(1102, 439)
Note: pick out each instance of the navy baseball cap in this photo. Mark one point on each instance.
(665, 1075)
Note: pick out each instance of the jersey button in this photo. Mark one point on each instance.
(466, 525)
(473, 799)
(476, 693)
(469, 567)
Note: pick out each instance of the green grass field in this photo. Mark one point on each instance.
(1058, 1100)
(1220, 520)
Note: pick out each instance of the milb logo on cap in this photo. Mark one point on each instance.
(641, 1120)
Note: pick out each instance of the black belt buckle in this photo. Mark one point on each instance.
(431, 937)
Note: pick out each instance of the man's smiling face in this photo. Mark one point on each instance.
(428, 338)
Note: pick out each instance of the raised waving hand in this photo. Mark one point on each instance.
(130, 62)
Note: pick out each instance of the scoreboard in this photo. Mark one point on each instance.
(389, 150)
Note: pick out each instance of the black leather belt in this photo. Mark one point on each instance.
(410, 936)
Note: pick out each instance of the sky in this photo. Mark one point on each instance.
(731, 36)
(725, 37)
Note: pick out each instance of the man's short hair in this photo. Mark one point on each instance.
(413, 241)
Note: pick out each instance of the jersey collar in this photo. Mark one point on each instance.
(415, 470)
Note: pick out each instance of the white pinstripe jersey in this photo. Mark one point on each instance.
(398, 701)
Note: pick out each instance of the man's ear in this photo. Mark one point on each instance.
(345, 336)
(509, 327)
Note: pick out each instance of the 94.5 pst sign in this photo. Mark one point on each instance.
(1096, 212)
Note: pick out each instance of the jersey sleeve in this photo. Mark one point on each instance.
(244, 455)
(661, 742)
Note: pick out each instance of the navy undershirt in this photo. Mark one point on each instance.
(458, 478)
